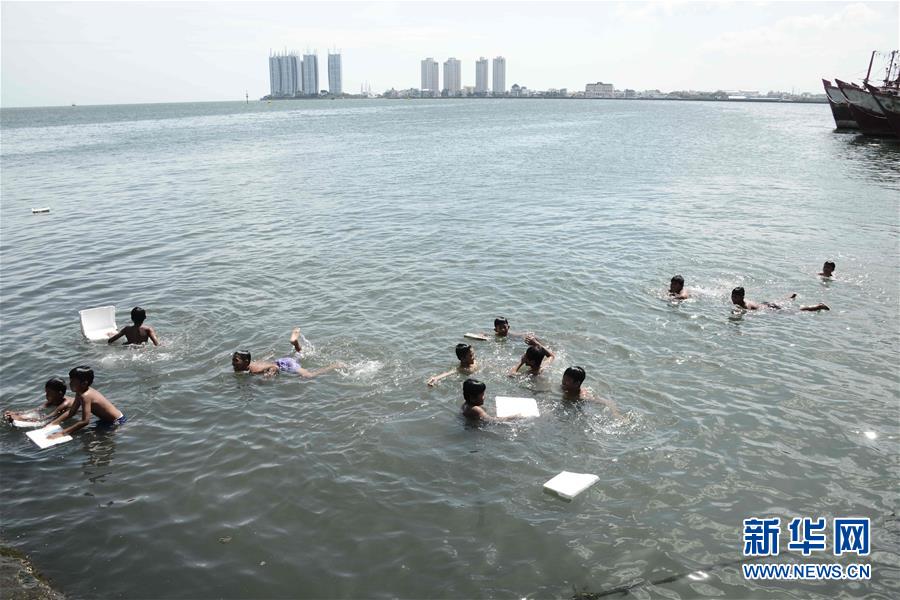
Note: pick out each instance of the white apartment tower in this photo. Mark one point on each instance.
(310, 73)
(481, 76)
(452, 80)
(430, 79)
(335, 87)
(284, 74)
(499, 87)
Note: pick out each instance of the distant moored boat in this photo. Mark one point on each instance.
(889, 105)
(866, 112)
(840, 108)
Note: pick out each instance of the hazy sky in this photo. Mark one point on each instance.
(107, 53)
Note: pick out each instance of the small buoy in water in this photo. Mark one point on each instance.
(35, 211)
(870, 434)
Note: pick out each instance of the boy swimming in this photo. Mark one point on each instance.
(827, 269)
(55, 393)
(534, 356)
(242, 363)
(466, 355)
(473, 394)
(676, 288)
(501, 329)
(572, 390)
(90, 401)
(737, 298)
(138, 333)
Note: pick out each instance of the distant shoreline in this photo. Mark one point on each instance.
(316, 99)
(703, 99)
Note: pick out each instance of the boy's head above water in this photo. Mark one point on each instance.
(55, 389)
(676, 285)
(573, 378)
(501, 326)
(473, 392)
(534, 356)
(240, 360)
(138, 315)
(737, 295)
(465, 353)
(81, 378)
(828, 267)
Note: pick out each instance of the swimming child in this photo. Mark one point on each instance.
(737, 298)
(473, 394)
(827, 269)
(534, 356)
(90, 401)
(466, 355)
(501, 329)
(241, 362)
(137, 333)
(55, 393)
(572, 390)
(676, 288)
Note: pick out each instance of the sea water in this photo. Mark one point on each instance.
(388, 229)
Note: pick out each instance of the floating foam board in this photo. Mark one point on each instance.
(35, 211)
(567, 485)
(476, 336)
(39, 436)
(27, 424)
(516, 407)
(97, 324)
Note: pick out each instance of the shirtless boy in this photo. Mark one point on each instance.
(827, 269)
(90, 401)
(241, 362)
(676, 288)
(572, 390)
(55, 393)
(737, 298)
(138, 333)
(534, 356)
(466, 355)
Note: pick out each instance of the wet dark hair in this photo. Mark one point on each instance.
(829, 263)
(535, 354)
(83, 373)
(242, 354)
(138, 315)
(678, 279)
(577, 374)
(738, 290)
(500, 321)
(462, 350)
(472, 389)
(55, 383)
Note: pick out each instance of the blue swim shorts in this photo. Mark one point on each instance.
(120, 421)
(288, 364)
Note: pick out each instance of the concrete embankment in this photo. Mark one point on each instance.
(19, 580)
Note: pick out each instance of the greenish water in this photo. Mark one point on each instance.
(386, 230)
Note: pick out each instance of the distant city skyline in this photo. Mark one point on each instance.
(103, 53)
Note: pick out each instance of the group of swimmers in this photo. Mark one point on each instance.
(678, 292)
(91, 402)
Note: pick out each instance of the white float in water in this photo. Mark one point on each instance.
(36, 211)
(870, 434)
(97, 324)
(567, 485)
(516, 407)
(39, 436)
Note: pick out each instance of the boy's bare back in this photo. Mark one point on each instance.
(101, 408)
(137, 334)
